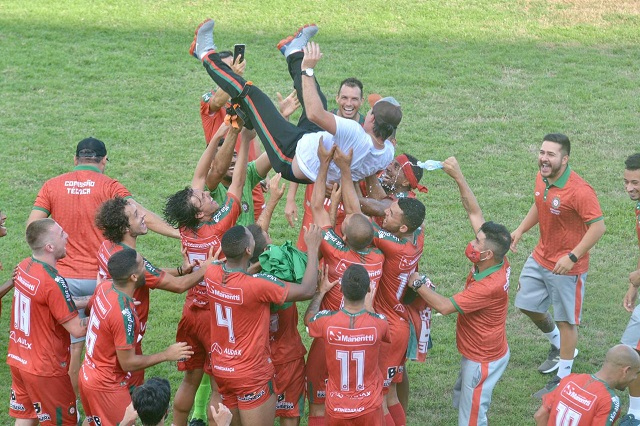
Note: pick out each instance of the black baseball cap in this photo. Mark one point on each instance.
(91, 147)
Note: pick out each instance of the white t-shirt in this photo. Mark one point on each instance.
(366, 161)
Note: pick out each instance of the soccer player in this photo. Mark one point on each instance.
(589, 399)
(239, 305)
(631, 336)
(42, 318)
(285, 342)
(352, 339)
(570, 222)
(122, 224)
(482, 307)
(401, 240)
(397, 181)
(338, 253)
(112, 332)
(292, 149)
(202, 222)
(72, 199)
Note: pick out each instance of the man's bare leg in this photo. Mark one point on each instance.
(185, 395)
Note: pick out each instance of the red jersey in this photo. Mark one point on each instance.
(199, 242)
(72, 200)
(239, 306)
(338, 256)
(38, 343)
(481, 333)
(565, 209)
(284, 337)
(401, 257)
(113, 325)
(352, 346)
(307, 217)
(582, 399)
(153, 277)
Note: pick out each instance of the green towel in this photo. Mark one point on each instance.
(285, 262)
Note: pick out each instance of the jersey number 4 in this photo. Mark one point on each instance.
(225, 319)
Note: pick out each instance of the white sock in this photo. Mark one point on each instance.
(634, 406)
(564, 367)
(554, 336)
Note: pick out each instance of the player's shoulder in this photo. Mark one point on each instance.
(377, 316)
(270, 278)
(325, 313)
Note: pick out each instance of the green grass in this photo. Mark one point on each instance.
(483, 80)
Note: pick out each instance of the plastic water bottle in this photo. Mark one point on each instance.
(430, 164)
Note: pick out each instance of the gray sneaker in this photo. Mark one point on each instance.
(203, 39)
(553, 358)
(298, 41)
(553, 383)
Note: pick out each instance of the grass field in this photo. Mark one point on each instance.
(483, 80)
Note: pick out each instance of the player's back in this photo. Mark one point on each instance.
(72, 200)
(239, 305)
(401, 257)
(38, 343)
(113, 325)
(582, 399)
(352, 346)
(338, 257)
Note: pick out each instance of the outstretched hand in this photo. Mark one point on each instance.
(324, 285)
(312, 55)
(324, 154)
(312, 236)
(342, 159)
(289, 104)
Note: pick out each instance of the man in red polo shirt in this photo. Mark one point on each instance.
(482, 309)
(570, 222)
(72, 200)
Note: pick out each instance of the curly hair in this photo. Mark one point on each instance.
(112, 220)
(180, 212)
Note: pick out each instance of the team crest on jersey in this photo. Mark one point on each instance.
(245, 206)
(555, 205)
(72, 410)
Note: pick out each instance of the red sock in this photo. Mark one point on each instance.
(388, 420)
(398, 414)
(316, 421)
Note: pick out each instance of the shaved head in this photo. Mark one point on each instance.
(359, 231)
(622, 356)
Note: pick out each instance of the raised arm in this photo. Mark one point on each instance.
(529, 221)
(319, 214)
(291, 208)
(307, 288)
(130, 361)
(312, 104)
(276, 191)
(350, 199)
(214, 171)
(469, 201)
(240, 169)
(323, 288)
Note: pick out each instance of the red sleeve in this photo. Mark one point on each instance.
(316, 326)
(43, 202)
(269, 289)
(60, 303)
(230, 212)
(116, 189)
(587, 205)
(124, 328)
(152, 275)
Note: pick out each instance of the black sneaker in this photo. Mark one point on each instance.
(197, 422)
(553, 383)
(629, 420)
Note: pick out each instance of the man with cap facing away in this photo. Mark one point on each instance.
(291, 149)
(72, 200)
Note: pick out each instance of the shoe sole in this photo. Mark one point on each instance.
(282, 43)
(192, 48)
(555, 367)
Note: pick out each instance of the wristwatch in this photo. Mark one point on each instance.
(308, 72)
(573, 257)
(416, 284)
